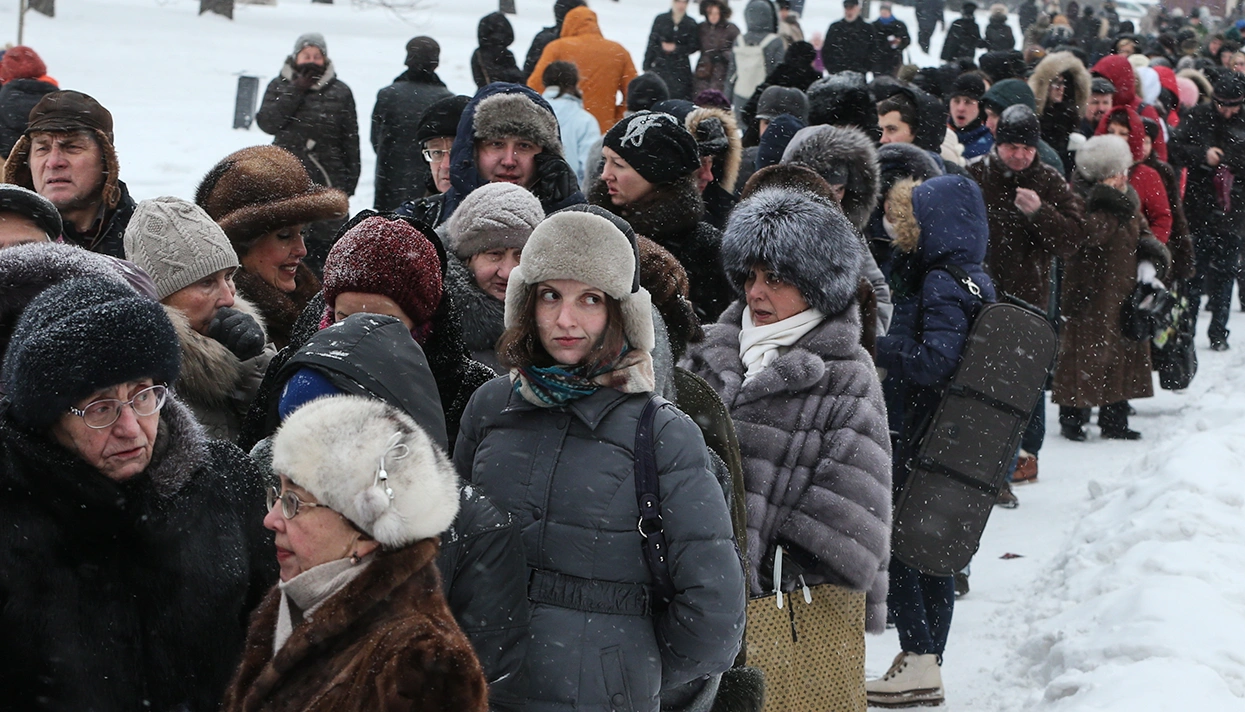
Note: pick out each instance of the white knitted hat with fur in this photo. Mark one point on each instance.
(372, 464)
(1102, 157)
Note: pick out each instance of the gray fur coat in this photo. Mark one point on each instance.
(816, 455)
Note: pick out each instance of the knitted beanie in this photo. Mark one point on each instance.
(646, 90)
(177, 243)
(27, 203)
(656, 145)
(494, 216)
(371, 463)
(441, 119)
(968, 84)
(81, 336)
(389, 257)
(1018, 124)
(21, 62)
(311, 39)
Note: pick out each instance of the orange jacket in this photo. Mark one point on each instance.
(605, 67)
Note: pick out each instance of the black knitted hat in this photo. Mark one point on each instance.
(1018, 124)
(646, 90)
(968, 84)
(656, 145)
(441, 119)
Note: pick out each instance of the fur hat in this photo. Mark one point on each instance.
(586, 246)
(387, 256)
(842, 99)
(848, 152)
(656, 145)
(262, 188)
(805, 240)
(514, 114)
(717, 135)
(78, 337)
(176, 243)
(497, 215)
(27, 203)
(904, 160)
(371, 463)
(62, 112)
(1102, 157)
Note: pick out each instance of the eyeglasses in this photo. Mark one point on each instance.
(434, 155)
(290, 503)
(101, 414)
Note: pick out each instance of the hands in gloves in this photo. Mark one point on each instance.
(238, 332)
(1148, 274)
(555, 180)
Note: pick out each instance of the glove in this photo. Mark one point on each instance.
(1147, 274)
(305, 79)
(555, 180)
(238, 332)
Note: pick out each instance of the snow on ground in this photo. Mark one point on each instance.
(1130, 590)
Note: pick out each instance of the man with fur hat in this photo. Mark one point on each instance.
(401, 172)
(223, 345)
(67, 156)
(513, 138)
(967, 118)
(717, 140)
(649, 180)
(26, 216)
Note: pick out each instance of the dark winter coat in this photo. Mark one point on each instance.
(401, 172)
(110, 238)
(890, 56)
(567, 475)
(1201, 128)
(1028, 14)
(482, 315)
(963, 40)
(999, 36)
(127, 595)
(716, 42)
(1021, 246)
(280, 310)
(1180, 244)
(17, 98)
(319, 125)
(850, 46)
(672, 215)
(493, 61)
(384, 642)
(1060, 120)
(827, 505)
(674, 67)
(1097, 364)
(928, 14)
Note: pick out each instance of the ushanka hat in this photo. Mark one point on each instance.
(371, 463)
(585, 243)
(656, 145)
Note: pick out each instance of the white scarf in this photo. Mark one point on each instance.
(759, 345)
(309, 590)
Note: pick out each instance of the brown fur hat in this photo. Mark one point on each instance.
(666, 281)
(262, 188)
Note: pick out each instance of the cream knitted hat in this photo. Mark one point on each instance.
(175, 242)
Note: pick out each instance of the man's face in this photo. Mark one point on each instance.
(1226, 111)
(439, 149)
(1214, 45)
(1017, 156)
(17, 229)
(507, 160)
(1099, 104)
(851, 12)
(992, 121)
(964, 111)
(67, 168)
(894, 130)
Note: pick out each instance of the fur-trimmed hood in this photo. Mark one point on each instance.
(820, 147)
(1061, 63)
(734, 153)
(942, 220)
(1204, 89)
(210, 372)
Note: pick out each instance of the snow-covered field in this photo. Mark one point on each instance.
(1130, 591)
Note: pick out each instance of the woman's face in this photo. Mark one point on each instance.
(771, 299)
(625, 184)
(119, 451)
(713, 14)
(492, 270)
(571, 318)
(201, 300)
(1055, 96)
(348, 303)
(316, 535)
(275, 257)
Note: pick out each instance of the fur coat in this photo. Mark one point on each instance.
(278, 309)
(384, 642)
(482, 315)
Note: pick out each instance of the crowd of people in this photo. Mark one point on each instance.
(259, 453)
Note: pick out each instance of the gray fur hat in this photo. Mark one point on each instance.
(514, 114)
(843, 156)
(590, 248)
(806, 241)
(177, 243)
(1102, 157)
(496, 215)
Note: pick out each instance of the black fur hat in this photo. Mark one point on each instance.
(805, 240)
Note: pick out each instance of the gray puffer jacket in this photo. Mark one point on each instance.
(567, 475)
(816, 456)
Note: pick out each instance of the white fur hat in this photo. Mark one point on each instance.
(1103, 156)
(589, 248)
(372, 464)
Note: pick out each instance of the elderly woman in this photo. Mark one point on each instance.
(135, 551)
(358, 621)
(192, 265)
(786, 360)
(486, 236)
(555, 445)
(263, 199)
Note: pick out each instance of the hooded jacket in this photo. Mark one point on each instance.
(820, 147)
(1202, 128)
(963, 39)
(1060, 120)
(605, 67)
(1117, 68)
(547, 35)
(999, 36)
(402, 174)
(493, 61)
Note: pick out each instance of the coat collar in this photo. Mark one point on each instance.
(591, 409)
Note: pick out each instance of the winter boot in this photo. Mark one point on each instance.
(1026, 469)
(1007, 499)
(912, 681)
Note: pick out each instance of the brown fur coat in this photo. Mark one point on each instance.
(279, 310)
(385, 642)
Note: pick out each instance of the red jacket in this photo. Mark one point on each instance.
(1116, 68)
(1154, 205)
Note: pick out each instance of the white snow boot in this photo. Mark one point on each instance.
(913, 681)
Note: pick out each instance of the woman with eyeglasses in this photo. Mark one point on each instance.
(133, 549)
(358, 621)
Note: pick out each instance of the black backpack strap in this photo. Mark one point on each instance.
(647, 488)
(964, 278)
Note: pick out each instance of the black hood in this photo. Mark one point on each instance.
(495, 31)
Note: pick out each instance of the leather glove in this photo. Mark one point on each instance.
(238, 332)
(555, 180)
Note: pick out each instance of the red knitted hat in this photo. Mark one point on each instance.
(21, 62)
(387, 257)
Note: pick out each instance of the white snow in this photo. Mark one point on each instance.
(1130, 591)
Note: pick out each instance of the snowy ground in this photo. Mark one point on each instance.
(1130, 593)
